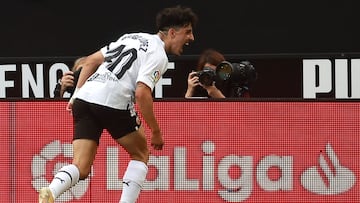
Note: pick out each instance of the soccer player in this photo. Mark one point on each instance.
(111, 81)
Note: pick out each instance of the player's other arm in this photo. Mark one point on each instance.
(90, 65)
(144, 100)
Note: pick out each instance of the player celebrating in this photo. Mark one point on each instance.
(111, 81)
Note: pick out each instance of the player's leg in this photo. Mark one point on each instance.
(85, 143)
(69, 175)
(135, 174)
(84, 155)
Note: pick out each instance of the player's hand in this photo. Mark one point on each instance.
(71, 101)
(69, 107)
(157, 141)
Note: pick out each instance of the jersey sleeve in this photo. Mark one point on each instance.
(106, 50)
(154, 66)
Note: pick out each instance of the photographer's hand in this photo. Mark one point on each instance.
(67, 80)
(213, 91)
(193, 81)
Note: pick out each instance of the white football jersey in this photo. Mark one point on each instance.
(136, 57)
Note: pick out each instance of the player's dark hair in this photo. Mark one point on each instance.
(177, 16)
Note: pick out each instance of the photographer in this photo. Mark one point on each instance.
(207, 63)
(68, 81)
(217, 78)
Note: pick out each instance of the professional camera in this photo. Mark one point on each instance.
(206, 76)
(238, 74)
(76, 78)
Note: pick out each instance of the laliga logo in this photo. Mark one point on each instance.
(38, 170)
(340, 179)
(337, 179)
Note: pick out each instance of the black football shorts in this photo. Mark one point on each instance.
(91, 119)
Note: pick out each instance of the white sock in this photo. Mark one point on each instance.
(133, 181)
(65, 178)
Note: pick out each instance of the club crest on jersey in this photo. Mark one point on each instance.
(156, 76)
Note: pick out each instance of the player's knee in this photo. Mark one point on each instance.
(141, 155)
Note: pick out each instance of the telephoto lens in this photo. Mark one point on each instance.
(239, 74)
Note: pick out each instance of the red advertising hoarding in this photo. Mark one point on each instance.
(246, 151)
(5, 157)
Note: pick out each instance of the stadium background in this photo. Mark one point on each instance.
(270, 129)
(75, 28)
